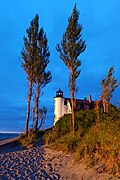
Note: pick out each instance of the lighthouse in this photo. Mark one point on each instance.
(61, 106)
(58, 105)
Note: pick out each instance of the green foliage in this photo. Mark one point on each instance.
(31, 139)
(67, 143)
(109, 84)
(28, 140)
(35, 57)
(100, 144)
(70, 49)
(84, 119)
(63, 126)
(50, 137)
(96, 141)
(28, 53)
(72, 45)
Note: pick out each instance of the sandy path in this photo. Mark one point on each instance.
(41, 162)
(6, 141)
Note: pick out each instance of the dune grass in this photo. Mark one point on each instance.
(31, 139)
(96, 138)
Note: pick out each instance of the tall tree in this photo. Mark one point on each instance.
(42, 77)
(109, 84)
(28, 55)
(70, 49)
(35, 58)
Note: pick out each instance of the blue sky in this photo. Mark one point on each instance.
(101, 31)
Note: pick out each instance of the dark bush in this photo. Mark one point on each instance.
(84, 119)
(62, 126)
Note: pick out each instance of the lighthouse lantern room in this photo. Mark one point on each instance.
(59, 93)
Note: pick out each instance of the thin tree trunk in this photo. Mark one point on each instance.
(28, 108)
(33, 117)
(72, 87)
(73, 111)
(107, 106)
(37, 106)
(104, 105)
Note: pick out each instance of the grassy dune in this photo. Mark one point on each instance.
(96, 138)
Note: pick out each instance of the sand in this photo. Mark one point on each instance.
(41, 162)
(6, 141)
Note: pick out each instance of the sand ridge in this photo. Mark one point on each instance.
(41, 162)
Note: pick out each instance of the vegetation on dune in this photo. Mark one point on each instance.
(97, 141)
(30, 139)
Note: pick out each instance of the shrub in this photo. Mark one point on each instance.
(28, 140)
(95, 140)
(50, 137)
(84, 119)
(101, 143)
(62, 126)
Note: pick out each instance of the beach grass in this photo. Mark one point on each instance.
(96, 138)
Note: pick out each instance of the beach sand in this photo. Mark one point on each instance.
(6, 141)
(41, 162)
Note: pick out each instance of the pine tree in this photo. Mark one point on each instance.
(109, 84)
(42, 77)
(35, 58)
(28, 55)
(70, 49)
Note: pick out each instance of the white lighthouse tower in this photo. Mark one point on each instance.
(61, 106)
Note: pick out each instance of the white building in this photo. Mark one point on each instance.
(62, 105)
